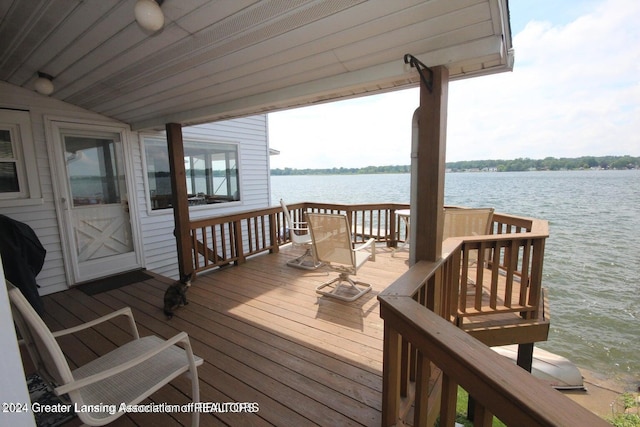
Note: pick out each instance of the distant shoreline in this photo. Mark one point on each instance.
(516, 165)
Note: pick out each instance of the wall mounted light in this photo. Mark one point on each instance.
(149, 15)
(43, 84)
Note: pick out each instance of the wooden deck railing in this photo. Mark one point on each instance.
(500, 272)
(366, 220)
(424, 351)
(218, 241)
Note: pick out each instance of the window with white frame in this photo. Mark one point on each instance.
(9, 182)
(211, 172)
(18, 171)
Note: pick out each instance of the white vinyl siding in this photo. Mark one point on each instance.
(41, 216)
(156, 227)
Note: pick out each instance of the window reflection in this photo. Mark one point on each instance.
(211, 172)
(9, 182)
(92, 170)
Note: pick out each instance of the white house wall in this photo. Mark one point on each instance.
(159, 249)
(157, 226)
(42, 217)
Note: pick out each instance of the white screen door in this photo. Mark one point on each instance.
(95, 201)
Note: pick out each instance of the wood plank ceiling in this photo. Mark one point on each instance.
(229, 58)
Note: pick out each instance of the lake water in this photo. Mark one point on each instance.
(592, 256)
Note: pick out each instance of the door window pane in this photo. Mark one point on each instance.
(93, 170)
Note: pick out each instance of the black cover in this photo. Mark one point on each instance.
(22, 258)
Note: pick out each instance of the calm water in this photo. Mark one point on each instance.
(592, 257)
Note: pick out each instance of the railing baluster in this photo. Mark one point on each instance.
(421, 411)
(194, 243)
(202, 247)
(524, 277)
(448, 401)
(480, 265)
(512, 253)
(482, 417)
(256, 232)
(405, 368)
(464, 279)
(231, 238)
(214, 242)
(257, 225)
(535, 285)
(249, 233)
(263, 232)
(495, 274)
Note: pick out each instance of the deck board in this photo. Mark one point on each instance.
(265, 336)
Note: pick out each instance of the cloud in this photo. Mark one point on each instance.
(574, 91)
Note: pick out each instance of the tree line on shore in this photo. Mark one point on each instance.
(515, 165)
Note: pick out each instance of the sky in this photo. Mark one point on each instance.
(574, 91)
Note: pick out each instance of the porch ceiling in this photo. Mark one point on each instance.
(221, 59)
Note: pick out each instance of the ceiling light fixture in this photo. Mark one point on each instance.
(43, 84)
(149, 15)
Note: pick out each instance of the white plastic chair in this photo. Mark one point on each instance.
(299, 233)
(128, 374)
(332, 244)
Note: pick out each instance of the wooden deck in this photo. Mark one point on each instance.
(265, 335)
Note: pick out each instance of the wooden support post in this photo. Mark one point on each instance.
(525, 356)
(394, 229)
(237, 239)
(390, 376)
(427, 169)
(179, 198)
(273, 234)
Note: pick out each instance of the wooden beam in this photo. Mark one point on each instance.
(179, 198)
(428, 167)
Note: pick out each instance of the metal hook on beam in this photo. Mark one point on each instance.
(415, 62)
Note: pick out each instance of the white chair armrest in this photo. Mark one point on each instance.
(122, 312)
(369, 243)
(180, 337)
(299, 228)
